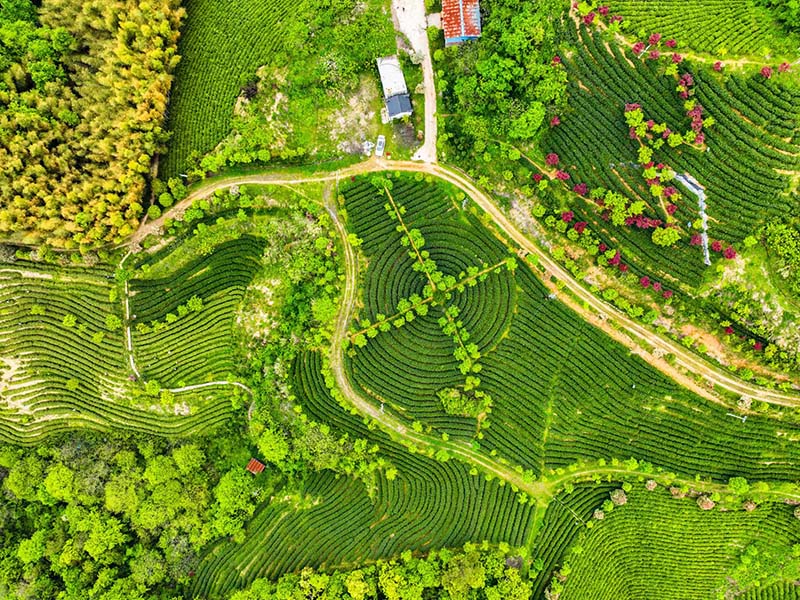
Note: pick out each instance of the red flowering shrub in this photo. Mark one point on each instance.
(783, 67)
(556, 60)
(696, 240)
(729, 252)
(567, 216)
(716, 246)
(700, 138)
(654, 55)
(589, 19)
(638, 48)
(766, 72)
(580, 226)
(602, 247)
(615, 19)
(667, 294)
(580, 188)
(657, 286)
(644, 282)
(603, 10)
(562, 175)
(623, 267)
(717, 66)
(729, 330)
(669, 191)
(758, 346)
(672, 209)
(670, 43)
(615, 260)
(654, 39)
(676, 58)
(555, 121)
(551, 159)
(537, 177)
(667, 133)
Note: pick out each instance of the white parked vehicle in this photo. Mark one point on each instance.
(380, 145)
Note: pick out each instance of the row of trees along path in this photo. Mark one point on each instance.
(635, 336)
(589, 307)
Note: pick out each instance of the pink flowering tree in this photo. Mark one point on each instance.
(551, 160)
(766, 72)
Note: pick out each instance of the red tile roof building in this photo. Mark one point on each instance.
(461, 21)
(254, 466)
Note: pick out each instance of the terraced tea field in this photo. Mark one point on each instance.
(604, 78)
(561, 391)
(715, 27)
(64, 358)
(657, 542)
(221, 46)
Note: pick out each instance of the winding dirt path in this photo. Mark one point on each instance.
(635, 336)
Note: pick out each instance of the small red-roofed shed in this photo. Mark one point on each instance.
(255, 466)
(461, 21)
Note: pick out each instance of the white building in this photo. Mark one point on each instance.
(395, 92)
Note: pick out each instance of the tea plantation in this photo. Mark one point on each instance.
(552, 357)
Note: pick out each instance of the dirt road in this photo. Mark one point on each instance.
(411, 21)
(635, 336)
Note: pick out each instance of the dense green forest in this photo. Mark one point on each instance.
(83, 95)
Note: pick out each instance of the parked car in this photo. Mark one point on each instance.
(380, 145)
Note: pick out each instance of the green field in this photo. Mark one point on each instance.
(429, 505)
(562, 391)
(65, 360)
(308, 75)
(65, 369)
(198, 345)
(603, 79)
(656, 542)
(221, 46)
(391, 380)
(722, 29)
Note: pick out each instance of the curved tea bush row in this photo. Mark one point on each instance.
(564, 520)
(221, 46)
(656, 545)
(594, 146)
(442, 506)
(778, 591)
(718, 27)
(739, 170)
(561, 384)
(405, 367)
(309, 389)
(198, 345)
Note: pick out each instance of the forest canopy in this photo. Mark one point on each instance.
(83, 93)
